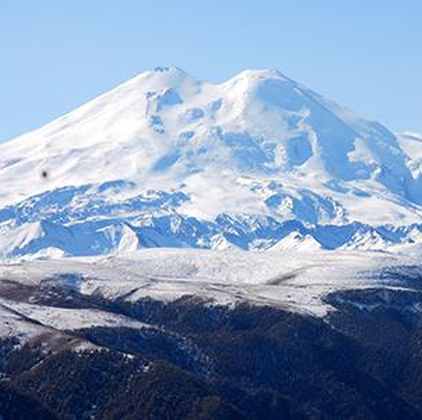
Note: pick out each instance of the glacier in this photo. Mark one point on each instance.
(165, 160)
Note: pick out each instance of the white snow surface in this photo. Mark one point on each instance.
(294, 279)
(166, 160)
(70, 319)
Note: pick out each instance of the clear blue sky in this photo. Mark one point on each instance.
(55, 55)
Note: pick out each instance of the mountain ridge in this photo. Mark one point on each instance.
(258, 145)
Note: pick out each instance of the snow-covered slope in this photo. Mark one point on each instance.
(311, 322)
(411, 143)
(296, 278)
(296, 241)
(168, 160)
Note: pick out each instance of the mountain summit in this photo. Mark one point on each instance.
(168, 160)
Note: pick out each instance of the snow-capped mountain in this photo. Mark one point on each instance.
(168, 160)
